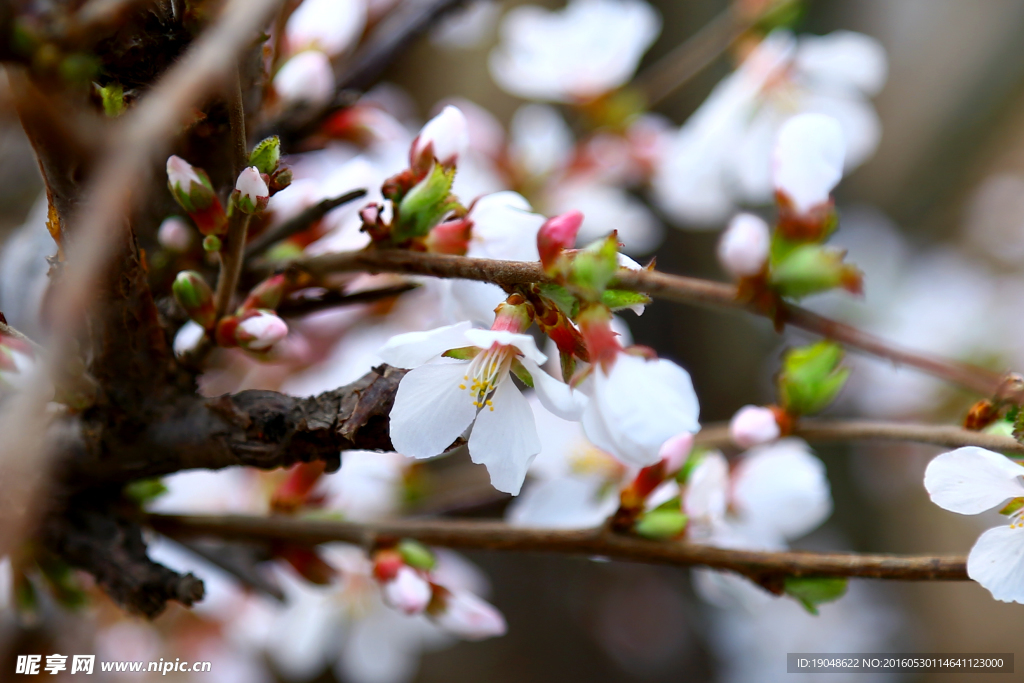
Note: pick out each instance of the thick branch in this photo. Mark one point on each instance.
(677, 288)
(764, 567)
(716, 435)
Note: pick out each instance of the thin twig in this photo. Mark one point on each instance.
(231, 253)
(334, 299)
(300, 223)
(676, 288)
(689, 58)
(97, 231)
(716, 435)
(473, 535)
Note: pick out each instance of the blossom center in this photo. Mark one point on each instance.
(486, 371)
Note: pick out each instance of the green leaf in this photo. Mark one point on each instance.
(425, 204)
(112, 97)
(145, 490)
(462, 353)
(595, 266)
(810, 268)
(697, 454)
(812, 591)
(561, 297)
(811, 377)
(661, 524)
(415, 554)
(618, 299)
(522, 373)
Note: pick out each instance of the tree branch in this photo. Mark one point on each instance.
(676, 288)
(766, 568)
(300, 223)
(716, 435)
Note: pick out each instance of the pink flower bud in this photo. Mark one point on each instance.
(305, 78)
(807, 161)
(408, 591)
(743, 249)
(445, 137)
(753, 425)
(467, 616)
(181, 174)
(175, 234)
(557, 233)
(252, 190)
(260, 330)
(674, 451)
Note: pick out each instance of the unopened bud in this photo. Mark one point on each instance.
(266, 155)
(675, 451)
(251, 192)
(753, 425)
(259, 330)
(811, 377)
(212, 243)
(467, 616)
(661, 524)
(811, 268)
(557, 233)
(444, 138)
(743, 249)
(195, 296)
(416, 555)
(266, 294)
(424, 205)
(408, 591)
(192, 190)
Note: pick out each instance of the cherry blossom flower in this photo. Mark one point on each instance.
(575, 54)
(744, 246)
(465, 615)
(306, 78)
(326, 25)
(721, 156)
(969, 481)
(753, 426)
(407, 591)
(175, 234)
(441, 397)
(776, 493)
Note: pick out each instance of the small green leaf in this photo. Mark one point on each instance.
(462, 353)
(812, 591)
(145, 490)
(618, 299)
(1011, 507)
(266, 155)
(810, 268)
(697, 454)
(561, 297)
(415, 554)
(522, 373)
(811, 377)
(112, 96)
(595, 266)
(661, 524)
(425, 204)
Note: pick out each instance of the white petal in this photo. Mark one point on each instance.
(596, 432)
(782, 489)
(541, 140)
(449, 134)
(413, 349)
(430, 410)
(707, 488)
(807, 161)
(306, 77)
(504, 227)
(743, 249)
(971, 480)
(997, 563)
(843, 59)
(524, 342)
(329, 25)
(505, 438)
(472, 300)
(643, 404)
(562, 503)
(555, 395)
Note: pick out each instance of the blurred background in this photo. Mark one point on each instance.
(936, 221)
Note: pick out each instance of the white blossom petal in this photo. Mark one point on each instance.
(997, 562)
(781, 490)
(504, 227)
(329, 25)
(430, 410)
(807, 161)
(563, 503)
(743, 248)
(524, 342)
(843, 59)
(412, 349)
(505, 438)
(555, 395)
(707, 489)
(971, 480)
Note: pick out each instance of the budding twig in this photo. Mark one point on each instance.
(761, 566)
(300, 223)
(676, 288)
